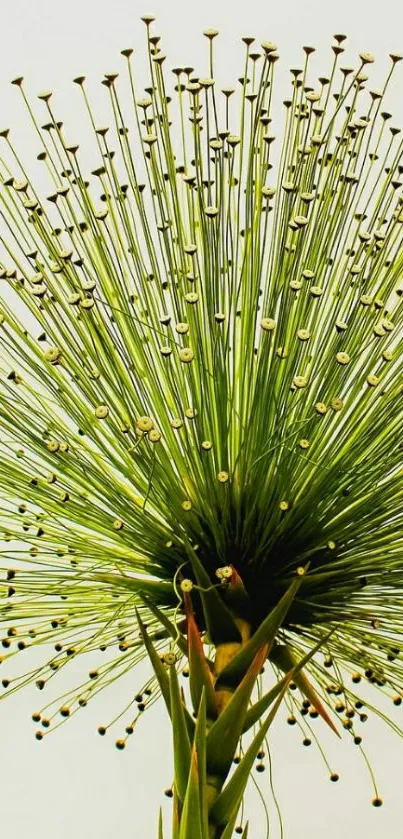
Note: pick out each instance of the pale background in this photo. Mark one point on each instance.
(76, 785)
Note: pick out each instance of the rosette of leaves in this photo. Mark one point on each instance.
(201, 405)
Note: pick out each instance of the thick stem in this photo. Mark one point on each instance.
(223, 656)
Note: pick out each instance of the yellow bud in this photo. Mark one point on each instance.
(144, 423)
(268, 324)
(101, 411)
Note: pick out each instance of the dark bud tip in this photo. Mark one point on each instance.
(120, 744)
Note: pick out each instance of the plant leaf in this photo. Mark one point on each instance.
(181, 742)
(284, 658)
(164, 620)
(200, 676)
(175, 816)
(236, 596)
(258, 708)
(220, 623)
(157, 665)
(223, 736)
(237, 667)
(191, 821)
(161, 675)
(159, 588)
(228, 832)
(228, 801)
(160, 828)
(200, 744)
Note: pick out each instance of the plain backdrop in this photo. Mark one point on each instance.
(75, 784)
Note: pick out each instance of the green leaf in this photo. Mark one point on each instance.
(228, 801)
(157, 665)
(160, 830)
(255, 713)
(164, 620)
(220, 623)
(181, 742)
(228, 832)
(191, 817)
(161, 675)
(200, 677)
(223, 736)
(200, 743)
(237, 667)
(160, 589)
(175, 815)
(257, 710)
(236, 596)
(284, 658)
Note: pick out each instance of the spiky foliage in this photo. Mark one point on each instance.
(201, 381)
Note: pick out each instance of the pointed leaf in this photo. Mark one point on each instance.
(223, 736)
(161, 674)
(229, 830)
(164, 620)
(157, 665)
(236, 669)
(200, 744)
(220, 623)
(284, 658)
(236, 595)
(181, 742)
(255, 713)
(162, 590)
(190, 821)
(258, 708)
(175, 816)
(200, 676)
(228, 802)
(160, 830)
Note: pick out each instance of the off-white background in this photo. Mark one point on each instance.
(75, 785)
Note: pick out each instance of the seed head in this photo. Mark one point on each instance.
(305, 243)
(169, 658)
(367, 57)
(186, 355)
(225, 572)
(53, 355)
(268, 324)
(144, 424)
(342, 358)
(101, 412)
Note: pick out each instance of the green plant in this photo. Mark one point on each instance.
(201, 400)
